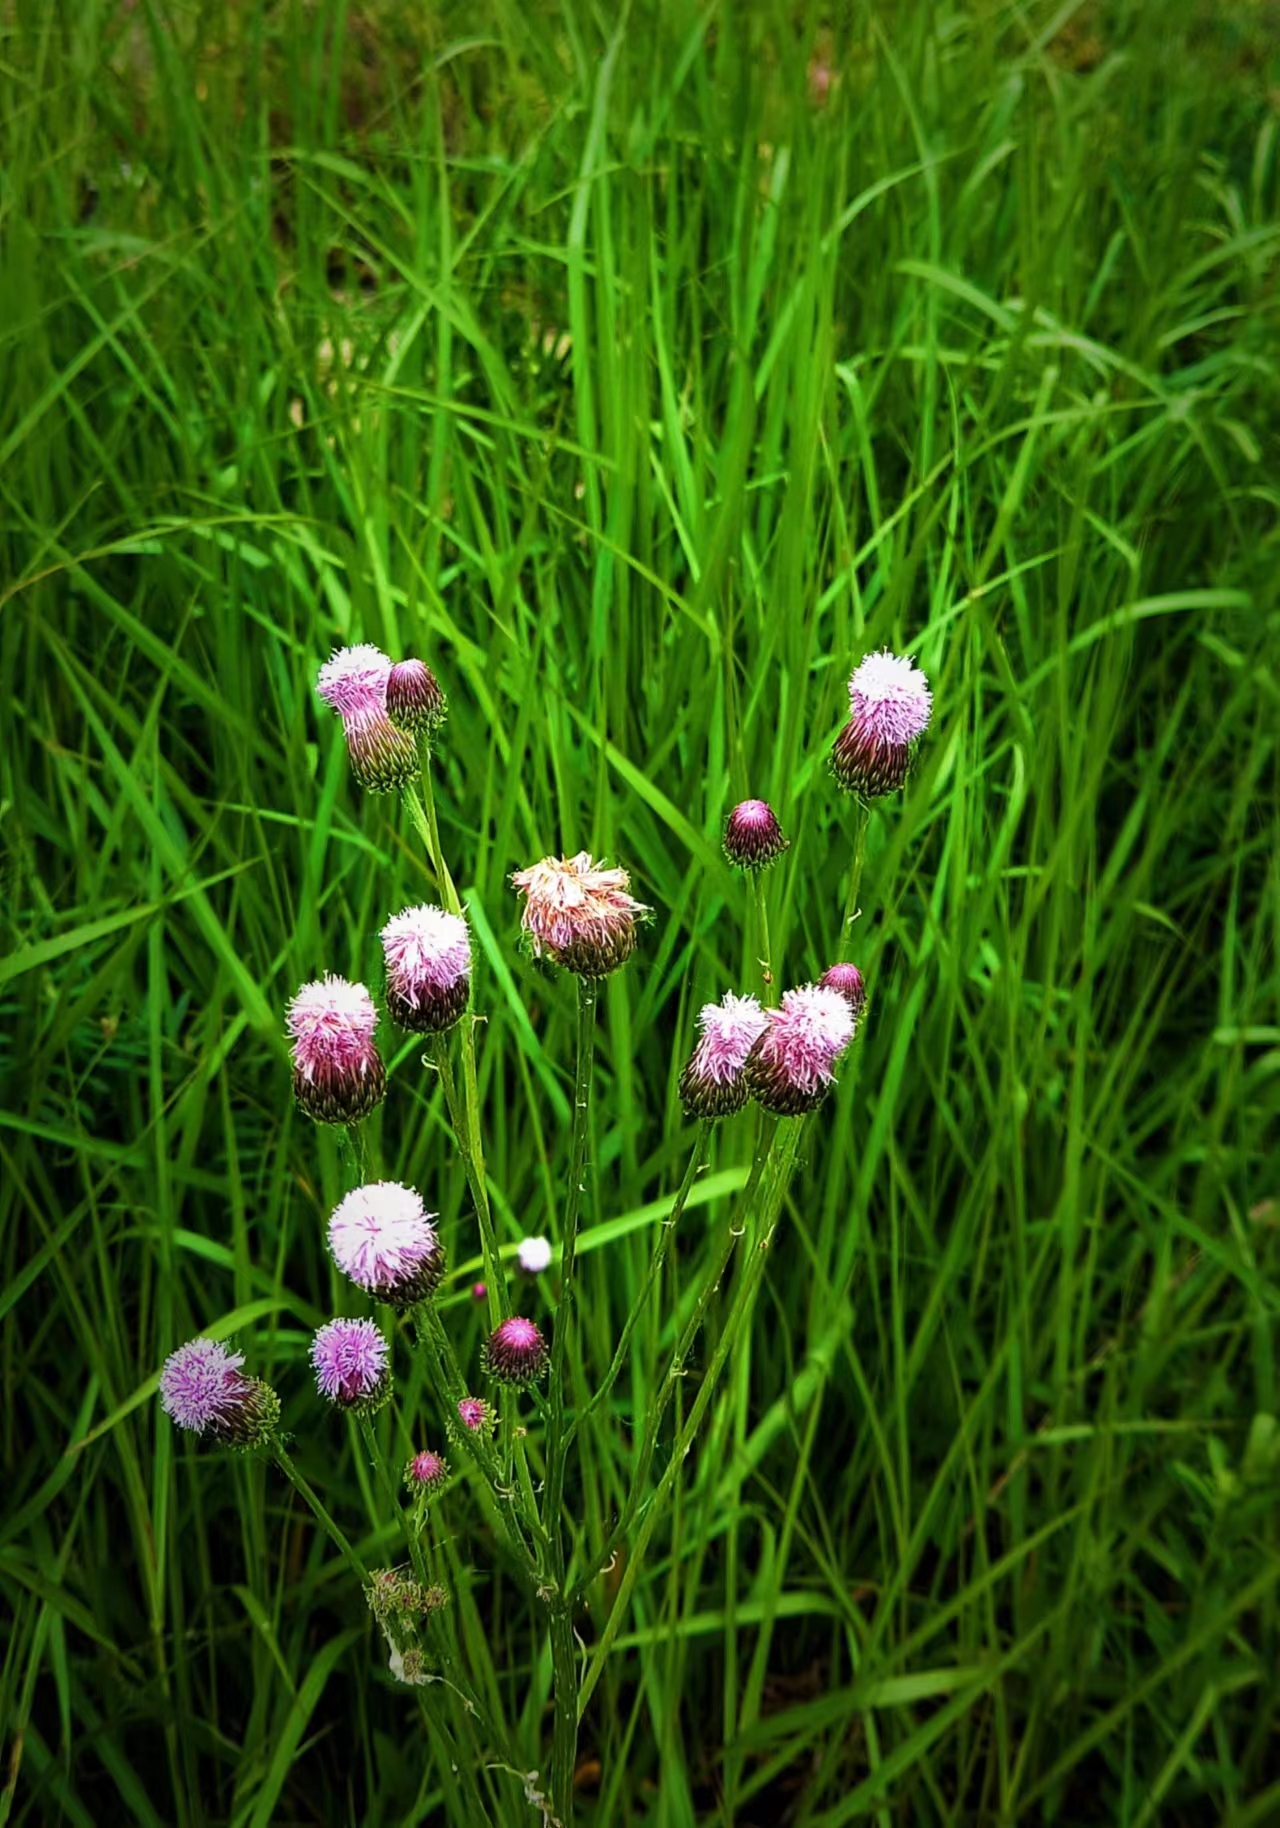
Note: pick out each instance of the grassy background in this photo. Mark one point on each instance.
(642, 368)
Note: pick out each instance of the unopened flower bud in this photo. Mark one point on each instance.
(753, 838)
(516, 1353)
(847, 979)
(414, 698)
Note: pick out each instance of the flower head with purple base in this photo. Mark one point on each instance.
(428, 960)
(847, 979)
(338, 1075)
(793, 1063)
(414, 699)
(890, 705)
(354, 682)
(714, 1084)
(203, 1389)
(476, 1415)
(534, 1255)
(349, 1358)
(753, 837)
(426, 1473)
(381, 1236)
(516, 1352)
(579, 915)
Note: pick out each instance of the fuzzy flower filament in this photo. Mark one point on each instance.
(354, 682)
(714, 1084)
(428, 959)
(890, 705)
(381, 1235)
(349, 1358)
(581, 916)
(338, 1075)
(203, 1389)
(792, 1065)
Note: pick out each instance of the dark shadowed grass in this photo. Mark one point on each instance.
(642, 373)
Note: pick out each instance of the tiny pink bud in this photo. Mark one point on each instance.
(515, 1352)
(426, 1473)
(479, 1291)
(847, 979)
(475, 1415)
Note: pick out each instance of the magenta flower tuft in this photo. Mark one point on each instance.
(753, 839)
(792, 1064)
(581, 916)
(203, 1389)
(381, 1236)
(890, 705)
(847, 979)
(479, 1291)
(534, 1255)
(516, 1352)
(713, 1084)
(428, 959)
(338, 1075)
(355, 679)
(414, 698)
(426, 1473)
(350, 1362)
(475, 1415)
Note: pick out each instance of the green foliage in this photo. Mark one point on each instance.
(641, 368)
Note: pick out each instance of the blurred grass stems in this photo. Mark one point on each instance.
(283, 1459)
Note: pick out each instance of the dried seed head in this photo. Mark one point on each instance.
(579, 915)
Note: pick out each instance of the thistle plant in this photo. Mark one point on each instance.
(770, 1064)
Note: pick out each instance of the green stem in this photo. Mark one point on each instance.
(762, 923)
(675, 1371)
(696, 1160)
(495, 1282)
(781, 1165)
(564, 1667)
(392, 1497)
(280, 1455)
(861, 819)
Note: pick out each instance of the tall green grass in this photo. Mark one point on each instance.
(590, 354)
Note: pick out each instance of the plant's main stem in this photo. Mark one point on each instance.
(762, 922)
(861, 819)
(563, 1664)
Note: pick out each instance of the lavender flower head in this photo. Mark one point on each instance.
(516, 1352)
(792, 1064)
(349, 1358)
(534, 1255)
(338, 1075)
(354, 682)
(847, 979)
(890, 705)
(203, 1389)
(580, 915)
(714, 1084)
(414, 699)
(428, 959)
(426, 1473)
(753, 838)
(381, 1236)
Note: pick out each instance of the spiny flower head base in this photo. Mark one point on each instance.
(428, 960)
(381, 1236)
(714, 1084)
(792, 1064)
(890, 705)
(426, 1473)
(414, 699)
(354, 681)
(753, 839)
(847, 979)
(202, 1388)
(579, 915)
(338, 1075)
(349, 1358)
(534, 1255)
(515, 1352)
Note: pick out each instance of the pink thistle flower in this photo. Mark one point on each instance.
(479, 1291)
(847, 979)
(475, 1415)
(381, 1236)
(414, 698)
(753, 839)
(428, 959)
(203, 1389)
(714, 1084)
(515, 1352)
(534, 1255)
(349, 1358)
(890, 705)
(384, 758)
(792, 1064)
(355, 679)
(338, 1075)
(583, 917)
(426, 1473)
